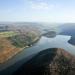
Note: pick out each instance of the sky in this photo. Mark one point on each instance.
(53, 11)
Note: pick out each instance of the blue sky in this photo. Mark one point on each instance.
(37, 10)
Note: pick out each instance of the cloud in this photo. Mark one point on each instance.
(41, 5)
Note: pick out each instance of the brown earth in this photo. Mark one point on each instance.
(7, 50)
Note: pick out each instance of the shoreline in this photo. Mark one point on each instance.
(9, 54)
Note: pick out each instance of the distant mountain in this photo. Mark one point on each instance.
(43, 27)
(67, 29)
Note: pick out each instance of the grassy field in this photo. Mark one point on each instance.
(7, 34)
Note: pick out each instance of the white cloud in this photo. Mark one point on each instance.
(41, 5)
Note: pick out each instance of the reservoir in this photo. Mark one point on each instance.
(60, 41)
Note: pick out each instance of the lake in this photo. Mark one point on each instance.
(60, 41)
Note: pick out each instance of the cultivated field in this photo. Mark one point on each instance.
(7, 34)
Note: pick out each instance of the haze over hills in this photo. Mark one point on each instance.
(68, 29)
(43, 27)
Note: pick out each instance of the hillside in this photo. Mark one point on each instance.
(54, 61)
(13, 42)
(63, 63)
